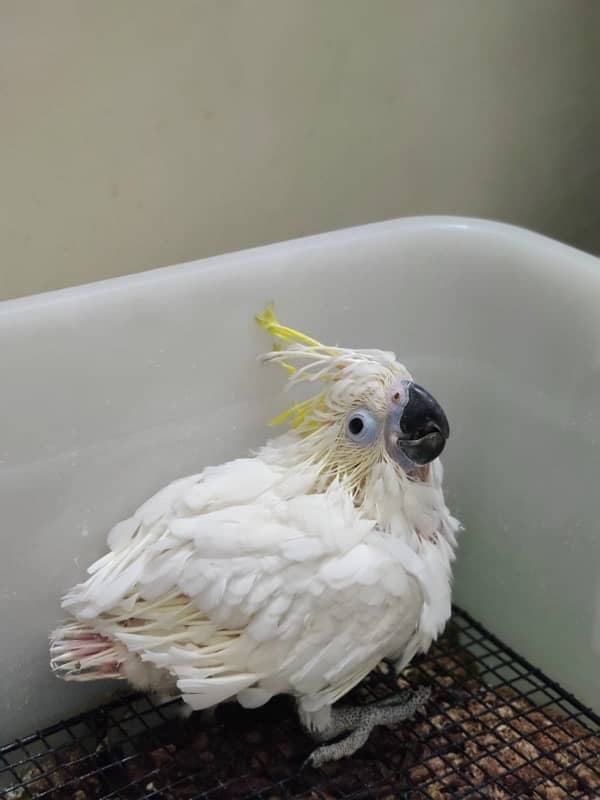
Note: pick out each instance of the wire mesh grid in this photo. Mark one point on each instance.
(495, 727)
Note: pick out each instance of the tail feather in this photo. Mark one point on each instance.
(79, 653)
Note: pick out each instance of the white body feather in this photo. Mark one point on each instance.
(242, 582)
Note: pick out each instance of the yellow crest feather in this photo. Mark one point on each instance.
(269, 322)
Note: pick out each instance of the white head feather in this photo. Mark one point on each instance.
(350, 380)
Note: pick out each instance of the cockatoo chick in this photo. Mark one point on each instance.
(294, 571)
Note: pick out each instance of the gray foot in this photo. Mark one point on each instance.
(361, 720)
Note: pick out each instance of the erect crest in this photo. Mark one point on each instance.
(349, 375)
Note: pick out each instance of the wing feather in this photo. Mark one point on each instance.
(265, 593)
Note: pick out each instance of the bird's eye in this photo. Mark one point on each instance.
(361, 427)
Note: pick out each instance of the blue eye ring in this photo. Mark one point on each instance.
(361, 426)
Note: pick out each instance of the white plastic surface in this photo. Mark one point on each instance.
(113, 389)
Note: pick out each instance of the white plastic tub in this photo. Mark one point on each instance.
(113, 389)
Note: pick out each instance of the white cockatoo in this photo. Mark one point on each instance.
(293, 571)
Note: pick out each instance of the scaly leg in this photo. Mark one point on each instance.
(361, 720)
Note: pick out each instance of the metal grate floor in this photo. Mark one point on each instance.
(496, 727)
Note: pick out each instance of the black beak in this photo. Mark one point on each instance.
(424, 427)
